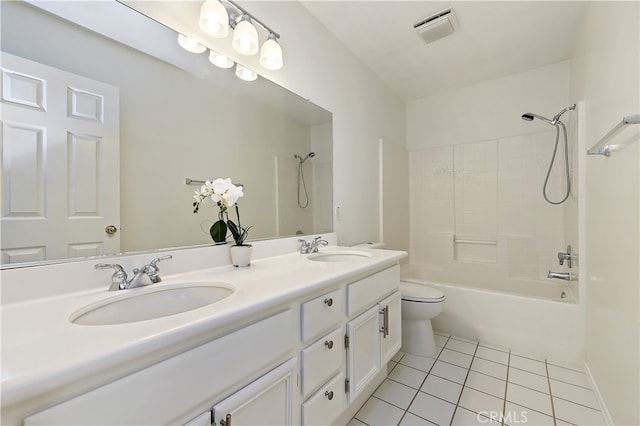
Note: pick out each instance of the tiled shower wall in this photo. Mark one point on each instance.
(489, 195)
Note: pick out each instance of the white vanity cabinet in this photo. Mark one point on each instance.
(304, 361)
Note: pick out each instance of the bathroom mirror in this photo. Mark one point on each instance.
(173, 117)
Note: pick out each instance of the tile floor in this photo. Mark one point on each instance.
(470, 383)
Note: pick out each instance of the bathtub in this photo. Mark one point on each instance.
(525, 315)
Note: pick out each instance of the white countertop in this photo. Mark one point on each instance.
(42, 351)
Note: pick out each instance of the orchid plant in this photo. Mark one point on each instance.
(225, 195)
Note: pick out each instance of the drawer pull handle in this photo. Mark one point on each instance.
(328, 302)
(328, 344)
(226, 421)
(329, 395)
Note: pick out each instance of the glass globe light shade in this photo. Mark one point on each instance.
(245, 37)
(190, 45)
(271, 54)
(219, 60)
(214, 19)
(245, 73)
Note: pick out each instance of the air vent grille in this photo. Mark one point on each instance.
(437, 26)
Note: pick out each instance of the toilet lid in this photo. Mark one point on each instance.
(420, 293)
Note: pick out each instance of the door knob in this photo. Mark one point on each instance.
(111, 229)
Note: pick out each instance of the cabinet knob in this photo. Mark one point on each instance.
(328, 344)
(329, 395)
(328, 301)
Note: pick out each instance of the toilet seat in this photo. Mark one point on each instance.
(420, 293)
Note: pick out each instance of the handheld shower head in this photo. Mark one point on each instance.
(556, 118)
(302, 160)
(530, 116)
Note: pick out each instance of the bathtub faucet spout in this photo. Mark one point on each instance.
(568, 276)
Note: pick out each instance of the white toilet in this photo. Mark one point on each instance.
(420, 303)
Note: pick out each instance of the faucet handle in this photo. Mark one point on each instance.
(152, 268)
(158, 259)
(119, 277)
(304, 247)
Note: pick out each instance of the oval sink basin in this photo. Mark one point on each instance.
(343, 256)
(150, 303)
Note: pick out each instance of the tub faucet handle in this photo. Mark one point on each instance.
(566, 255)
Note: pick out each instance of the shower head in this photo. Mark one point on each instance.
(302, 160)
(556, 118)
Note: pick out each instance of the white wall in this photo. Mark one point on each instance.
(605, 73)
(488, 110)
(320, 68)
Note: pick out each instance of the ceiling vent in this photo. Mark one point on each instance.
(437, 26)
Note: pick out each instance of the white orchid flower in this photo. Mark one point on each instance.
(232, 195)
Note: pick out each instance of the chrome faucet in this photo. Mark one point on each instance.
(568, 276)
(148, 274)
(312, 247)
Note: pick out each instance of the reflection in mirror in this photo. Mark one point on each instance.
(98, 139)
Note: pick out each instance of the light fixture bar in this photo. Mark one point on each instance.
(253, 18)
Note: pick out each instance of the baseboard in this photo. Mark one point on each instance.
(603, 406)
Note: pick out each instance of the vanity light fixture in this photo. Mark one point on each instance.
(245, 36)
(219, 60)
(214, 19)
(244, 73)
(271, 53)
(189, 44)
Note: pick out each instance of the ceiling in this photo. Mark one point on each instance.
(493, 39)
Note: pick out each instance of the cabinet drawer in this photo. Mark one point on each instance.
(321, 360)
(321, 314)
(368, 291)
(326, 404)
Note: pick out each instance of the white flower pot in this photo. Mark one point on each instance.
(240, 255)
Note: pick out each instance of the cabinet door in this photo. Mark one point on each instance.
(391, 320)
(267, 401)
(363, 352)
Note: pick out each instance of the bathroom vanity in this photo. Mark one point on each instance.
(299, 339)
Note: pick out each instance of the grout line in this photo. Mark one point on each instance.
(528, 371)
(579, 403)
(569, 383)
(506, 386)
(424, 380)
(553, 408)
(463, 385)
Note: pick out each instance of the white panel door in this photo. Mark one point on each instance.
(363, 352)
(60, 152)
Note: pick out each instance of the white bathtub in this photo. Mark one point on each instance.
(529, 316)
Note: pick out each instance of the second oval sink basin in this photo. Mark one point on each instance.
(339, 256)
(150, 303)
